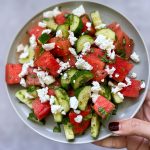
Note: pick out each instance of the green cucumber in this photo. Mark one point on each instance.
(82, 40)
(29, 58)
(106, 92)
(21, 96)
(116, 98)
(51, 24)
(64, 28)
(95, 126)
(80, 78)
(108, 33)
(75, 24)
(63, 98)
(43, 38)
(68, 129)
(66, 81)
(83, 95)
(96, 19)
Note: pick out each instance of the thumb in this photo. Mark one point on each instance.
(131, 127)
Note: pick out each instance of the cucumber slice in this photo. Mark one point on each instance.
(108, 33)
(63, 98)
(75, 24)
(30, 57)
(57, 116)
(43, 38)
(64, 28)
(96, 19)
(80, 78)
(66, 81)
(116, 98)
(95, 126)
(83, 95)
(68, 129)
(106, 92)
(51, 24)
(21, 96)
(82, 40)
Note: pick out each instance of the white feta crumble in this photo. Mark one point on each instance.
(63, 112)
(111, 54)
(96, 87)
(143, 85)
(128, 81)
(52, 100)
(101, 26)
(72, 38)
(120, 95)
(44, 78)
(59, 34)
(49, 14)
(118, 88)
(110, 71)
(88, 25)
(63, 66)
(48, 46)
(56, 109)
(20, 48)
(116, 75)
(78, 119)
(94, 97)
(42, 24)
(73, 52)
(65, 76)
(47, 31)
(25, 52)
(28, 96)
(102, 80)
(73, 102)
(77, 111)
(74, 81)
(82, 64)
(79, 11)
(23, 82)
(32, 41)
(86, 48)
(111, 84)
(133, 75)
(43, 94)
(135, 57)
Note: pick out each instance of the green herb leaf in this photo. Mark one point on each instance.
(57, 128)
(41, 51)
(45, 19)
(44, 38)
(124, 41)
(33, 118)
(65, 120)
(102, 111)
(104, 59)
(121, 53)
(88, 117)
(31, 89)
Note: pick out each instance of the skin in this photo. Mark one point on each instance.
(133, 134)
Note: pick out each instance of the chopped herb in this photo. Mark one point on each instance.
(31, 89)
(66, 15)
(121, 53)
(57, 128)
(47, 69)
(88, 117)
(104, 59)
(115, 110)
(41, 51)
(65, 120)
(102, 111)
(45, 19)
(33, 118)
(33, 76)
(44, 38)
(124, 41)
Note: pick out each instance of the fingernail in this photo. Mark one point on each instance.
(113, 126)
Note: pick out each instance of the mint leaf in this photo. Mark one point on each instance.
(31, 89)
(57, 128)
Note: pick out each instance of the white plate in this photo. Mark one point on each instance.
(127, 110)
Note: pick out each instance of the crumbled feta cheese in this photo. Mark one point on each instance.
(63, 66)
(135, 57)
(111, 54)
(48, 46)
(128, 81)
(96, 87)
(42, 24)
(118, 88)
(111, 84)
(74, 81)
(120, 95)
(77, 111)
(79, 11)
(116, 75)
(65, 76)
(101, 26)
(88, 25)
(110, 71)
(44, 78)
(63, 112)
(59, 34)
(78, 119)
(133, 75)
(20, 48)
(52, 100)
(86, 48)
(82, 64)
(94, 97)
(102, 80)
(32, 41)
(28, 96)
(43, 94)
(47, 31)
(23, 82)
(56, 109)
(72, 38)
(143, 85)
(25, 53)
(73, 102)
(50, 14)
(73, 52)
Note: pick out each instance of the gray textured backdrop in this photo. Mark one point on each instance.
(14, 135)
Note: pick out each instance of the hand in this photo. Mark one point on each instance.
(133, 134)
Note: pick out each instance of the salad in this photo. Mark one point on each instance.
(76, 69)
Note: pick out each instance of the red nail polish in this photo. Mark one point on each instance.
(113, 126)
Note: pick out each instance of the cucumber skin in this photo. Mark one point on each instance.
(96, 19)
(51, 24)
(84, 74)
(64, 28)
(116, 99)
